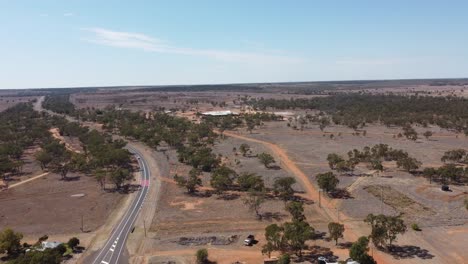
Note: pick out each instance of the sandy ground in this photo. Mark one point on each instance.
(96, 235)
(71, 143)
(7, 101)
(302, 154)
(439, 255)
(180, 215)
(46, 205)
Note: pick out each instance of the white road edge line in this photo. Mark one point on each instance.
(147, 187)
(128, 214)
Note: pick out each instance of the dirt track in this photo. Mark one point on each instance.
(311, 191)
(28, 180)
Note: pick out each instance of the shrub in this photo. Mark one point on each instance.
(284, 259)
(415, 227)
(73, 242)
(202, 256)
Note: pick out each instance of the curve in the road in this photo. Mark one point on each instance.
(112, 250)
(114, 246)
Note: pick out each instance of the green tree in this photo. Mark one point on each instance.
(429, 173)
(384, 229)
(6, 166)
(10, 241)
(119, 176)
(202, 256)
(244, 149)
(48, 256)
(267, 249)
(336, 231)
(191, 182)
(450, 172)
(334, 159)
(296, 209)
(377, 165)
(427, 134)
(296, 234)
(222, 178)
(78, 162)
(327, 181)
(359, 249)
(254, 201)
(250, 125)
(266, 159)
(43, 158)
(410, 133)
(282, 187)
(73, 242)
(284, 259)
(408, 164)
(61, 167)
(456, 155)
(250, 181)
(274, 234)
(100, 175)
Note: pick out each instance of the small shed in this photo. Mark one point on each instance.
(50, 245)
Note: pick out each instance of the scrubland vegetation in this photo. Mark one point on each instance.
(108, 161)
(355, 110)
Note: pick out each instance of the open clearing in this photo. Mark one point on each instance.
(183, 223)
(46, 206)
(197, 217)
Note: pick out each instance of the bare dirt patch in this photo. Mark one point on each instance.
(398, 201)
(184, 205)
(46, 206)
(9, 100)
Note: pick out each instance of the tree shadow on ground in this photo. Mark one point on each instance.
(320, 235)
(302, 199)
(72, 178)
(274, 167)
(14, 177)
(345, 245)
(341, 194)
(78, 250)
(205, 194)
(315, 252)
(228, 196)
(408, 251)
(126, 189)
(270, 216)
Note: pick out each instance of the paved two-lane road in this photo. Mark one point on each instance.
(112, 250)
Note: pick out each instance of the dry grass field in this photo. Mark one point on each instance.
(183, 223)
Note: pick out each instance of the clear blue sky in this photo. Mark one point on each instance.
(99, 43)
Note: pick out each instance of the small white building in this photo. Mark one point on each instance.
(219, 113)
(50, 245)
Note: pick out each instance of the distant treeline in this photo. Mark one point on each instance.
(358, 109)
(200, 88)
(59, 103)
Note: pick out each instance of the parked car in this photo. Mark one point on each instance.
(249, 240)
(323, 260)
